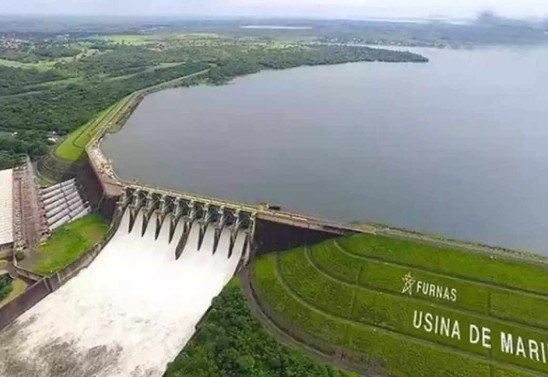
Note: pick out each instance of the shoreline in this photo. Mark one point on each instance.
(94, 152)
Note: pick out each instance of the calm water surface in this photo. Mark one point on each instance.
(458, 146)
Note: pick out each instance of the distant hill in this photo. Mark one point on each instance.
(487, 29)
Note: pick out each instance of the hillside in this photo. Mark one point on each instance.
(404, 308)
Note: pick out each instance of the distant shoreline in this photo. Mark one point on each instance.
(276, 27)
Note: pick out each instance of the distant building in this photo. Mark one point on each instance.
(53, 137)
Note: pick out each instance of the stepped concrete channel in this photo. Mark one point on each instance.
(136, 306)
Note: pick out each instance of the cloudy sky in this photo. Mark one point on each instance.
(292, 8)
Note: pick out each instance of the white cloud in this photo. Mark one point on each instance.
(312, 8)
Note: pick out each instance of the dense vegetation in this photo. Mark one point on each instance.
(69, 242)
(14, 146)
(5, 287)
(230, 343)
(67, 90)
(30, 52)
(348, 295)
(488, 29)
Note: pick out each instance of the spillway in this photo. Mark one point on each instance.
(129, 313)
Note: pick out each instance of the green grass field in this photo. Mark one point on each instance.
(69, 242)
(349, 295)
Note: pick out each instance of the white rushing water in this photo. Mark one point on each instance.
(128, 314)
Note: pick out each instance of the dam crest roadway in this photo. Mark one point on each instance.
(160, 210)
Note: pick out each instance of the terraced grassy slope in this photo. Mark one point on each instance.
(405, 308)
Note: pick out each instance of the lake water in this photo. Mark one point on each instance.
(458, 146)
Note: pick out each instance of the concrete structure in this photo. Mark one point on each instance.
(63, 203)
(183, 211)
(269, 230)
(29, 222)
(6, 209)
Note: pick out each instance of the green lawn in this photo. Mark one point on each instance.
(348, 294)
(229, 342)
(69, 242)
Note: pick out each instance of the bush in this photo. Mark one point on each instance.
(5, 287)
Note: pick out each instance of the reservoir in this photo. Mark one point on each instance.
(457, 146)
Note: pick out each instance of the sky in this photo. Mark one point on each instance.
(353, 9)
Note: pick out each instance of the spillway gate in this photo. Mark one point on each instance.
(157, 208)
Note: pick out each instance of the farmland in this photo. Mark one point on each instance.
(390, 304)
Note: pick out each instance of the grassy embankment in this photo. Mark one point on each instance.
(346, 296)
(72, 148)
(69, 242)
(230, 342)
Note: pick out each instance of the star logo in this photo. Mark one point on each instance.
(408, 283)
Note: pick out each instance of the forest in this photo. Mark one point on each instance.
(61, 93)
(231, 343)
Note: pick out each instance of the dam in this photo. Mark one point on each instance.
(170, 253)
(135, 303)
(135, 307)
